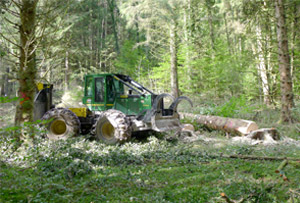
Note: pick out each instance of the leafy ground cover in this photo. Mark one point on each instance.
(155, 170)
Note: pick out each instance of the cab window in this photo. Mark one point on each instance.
(99, 89)
(111, 89)
(89, 87)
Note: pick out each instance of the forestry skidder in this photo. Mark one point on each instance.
(111, 114)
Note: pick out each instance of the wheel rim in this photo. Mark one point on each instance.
(108, 130)
(58, 127)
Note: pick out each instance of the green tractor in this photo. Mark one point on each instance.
(117, 106)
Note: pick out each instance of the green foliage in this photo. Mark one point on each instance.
(131, 60)
(161, 75)
(2, 53)
(236, 105)
(156, 170)
(8, 100)
(81, 36)
(87, 171)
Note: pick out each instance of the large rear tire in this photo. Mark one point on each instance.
(112, 127)
(62, 124)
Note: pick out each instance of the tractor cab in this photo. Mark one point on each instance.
(116, 91)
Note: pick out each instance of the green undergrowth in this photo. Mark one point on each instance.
(241, 108)
(156, 170)
(153, 170)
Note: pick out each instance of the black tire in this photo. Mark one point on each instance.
(62, 124)
(109, 133)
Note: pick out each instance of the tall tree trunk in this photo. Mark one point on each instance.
(2, 89)
(103, 36)
(27, 70)
(261, 66)
(286, 84)
(187, 36)
(67, 71)
(173, 60)
(98, 33)
(209, 5)
(227, 33)
(137, 33)
(91, 36)
(226, 16)
(269, 64)
(295, 30)
(102, 43)
(8, 86)
(112, 6)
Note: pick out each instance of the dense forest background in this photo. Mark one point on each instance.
(233, 58)
(216, 49)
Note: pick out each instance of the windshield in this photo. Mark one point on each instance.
(99, 89)
(89, 87)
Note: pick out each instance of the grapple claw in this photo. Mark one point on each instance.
(161, 119)
(174, 105)
(157, 104)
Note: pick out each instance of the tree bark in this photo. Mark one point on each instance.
(173, 60)
(230, 125)
(227, 33)
(209, 6)
(27, 70)
(111, 4)
(67, 70)
(225, 16)
(295, 30)
(103, 24)
(2, 89)
(286, 84)
(91, 36)
(261, 66)
(269, 64)
(187, 36)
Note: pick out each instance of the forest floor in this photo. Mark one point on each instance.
(151, 169)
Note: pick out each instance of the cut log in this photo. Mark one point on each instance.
(230, 125)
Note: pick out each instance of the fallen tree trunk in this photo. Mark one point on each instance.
(253, 157)
(230, 125)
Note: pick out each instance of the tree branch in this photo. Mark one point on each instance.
(9, 40)
(14, 13)
(9, 21)
(17, 4)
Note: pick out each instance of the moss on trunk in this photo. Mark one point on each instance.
(27, 69)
